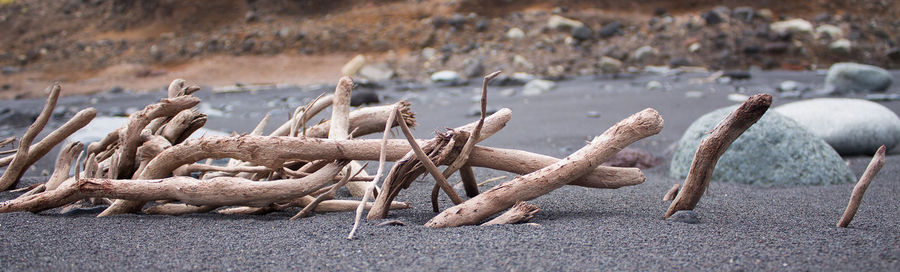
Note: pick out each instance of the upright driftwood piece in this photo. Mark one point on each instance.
(20, 160)
(530, 186)
(861, 186)
(713, 146)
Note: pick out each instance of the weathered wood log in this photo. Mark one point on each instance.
(530, 186)
(713, 146)
(19, 161)
(223, 191)
(519, 213)
(861, 186)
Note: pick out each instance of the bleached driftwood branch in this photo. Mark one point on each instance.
(861, 186)
(713, 146)
(521, 212)
(530, 186)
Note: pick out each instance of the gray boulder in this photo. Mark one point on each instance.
(850, 126)
(776, 151)
(848, 77)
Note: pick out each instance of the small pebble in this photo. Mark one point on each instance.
(593, 114)
(693, 94)
(737, 97)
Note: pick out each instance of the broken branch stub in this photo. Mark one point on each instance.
(131, 138)
(519, 213)
(713, 146)
(861, 186)
(638, 126)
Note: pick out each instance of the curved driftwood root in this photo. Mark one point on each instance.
(713, 146)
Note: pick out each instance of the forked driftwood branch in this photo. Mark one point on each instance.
(713, 146)
(638, 126)
(861, 186)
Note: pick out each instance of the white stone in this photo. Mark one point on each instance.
(793, 26)
(515, 33)
(643, 52)
(654, 85)
(694, 47)
(428, 52)
(352, 67)
(610, 65)
(850, 126)
(557, 21)
(840, 46)
(537, 87)
(519, 60)
(376, 72)
(445, 76)
(829, 31)
(737, 97)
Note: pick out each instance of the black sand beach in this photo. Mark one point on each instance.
(742, 227)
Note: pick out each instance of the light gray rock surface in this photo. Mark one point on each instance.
(776, 151)
(847, 77)
(850, 126)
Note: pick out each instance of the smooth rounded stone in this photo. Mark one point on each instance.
(363, 97)
(842, 46)
(445, 76)
(792, 86)
(654, 85)
(515, 33)
(610, 29)
(829, 31)
(582, 33)
(352, 67)
(473, 68)
(557, 21)
(775, 151)
(847, 77)
(609, 65)
(593, 114)
(643, 52)
(376, 72)
(684, 216)
(850, 126)
(793, 26)
(537, 87)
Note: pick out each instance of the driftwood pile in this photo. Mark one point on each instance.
(151, 160)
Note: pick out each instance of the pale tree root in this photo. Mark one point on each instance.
(519, 213)
(713, 146)
(223, 191)
(861, 186)
(638, 126)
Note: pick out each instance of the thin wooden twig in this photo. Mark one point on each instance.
(713, 146)
(861, 186)
(429, 165)
(7, 141)
(309, 208)
(382, 156)
(670, 195)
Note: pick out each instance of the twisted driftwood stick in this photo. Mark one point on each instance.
(26, 155)
(861, 186)
(713, 146)
(521, 212)
(222, 191)
(538, 183)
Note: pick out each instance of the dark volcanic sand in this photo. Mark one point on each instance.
(742, 227)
